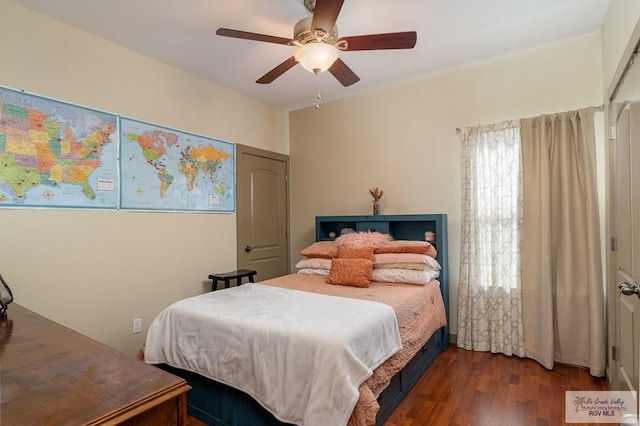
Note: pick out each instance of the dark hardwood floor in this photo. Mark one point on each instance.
(478, 388)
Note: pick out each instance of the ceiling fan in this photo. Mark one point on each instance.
(318, 46)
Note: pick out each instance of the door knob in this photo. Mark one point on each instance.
(248, 249)
(629, 289)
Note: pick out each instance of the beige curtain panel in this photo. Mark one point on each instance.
(562, 284)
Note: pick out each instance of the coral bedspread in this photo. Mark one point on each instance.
(419, 310)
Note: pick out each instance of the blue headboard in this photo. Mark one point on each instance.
(400, 227)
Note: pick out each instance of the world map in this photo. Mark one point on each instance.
(54, 154)
(167, 169)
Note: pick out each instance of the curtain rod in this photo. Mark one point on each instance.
(597, 108)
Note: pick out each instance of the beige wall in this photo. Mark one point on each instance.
(95, 271)
(403, 138)
(617, 31)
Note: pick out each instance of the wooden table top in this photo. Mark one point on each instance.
(50, 374)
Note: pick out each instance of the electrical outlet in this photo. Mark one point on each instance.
(137, 325)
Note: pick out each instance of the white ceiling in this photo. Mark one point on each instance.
(451, 34)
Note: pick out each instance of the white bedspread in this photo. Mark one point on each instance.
(301, 355)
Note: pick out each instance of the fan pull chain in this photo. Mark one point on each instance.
(318, 96)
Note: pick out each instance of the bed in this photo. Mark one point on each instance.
(371, 379)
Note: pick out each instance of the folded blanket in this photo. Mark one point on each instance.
(301, 355)
(419, 311)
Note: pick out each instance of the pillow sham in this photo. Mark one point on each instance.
(363, 239)
(345, 252)
(403, 265)
(321, 249)
(351, 272)
(406, 258)
(404, 276)
(314, 262)
(417, 247)
(314, 271)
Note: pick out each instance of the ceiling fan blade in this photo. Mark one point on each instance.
(404, 40)
(226, 32)
(277, 71)
(325, 15)
(343, 73)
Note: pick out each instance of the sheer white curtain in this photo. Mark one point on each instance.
(490, 298)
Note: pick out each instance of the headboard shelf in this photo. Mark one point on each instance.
(401, 227)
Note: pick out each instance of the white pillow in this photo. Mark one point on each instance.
(404, 276)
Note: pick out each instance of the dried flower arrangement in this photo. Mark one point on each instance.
(377, 194)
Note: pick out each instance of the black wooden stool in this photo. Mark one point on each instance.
(228, 276)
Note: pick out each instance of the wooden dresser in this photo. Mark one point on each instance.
(51, 375)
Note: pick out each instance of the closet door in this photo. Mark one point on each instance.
(628, 304)
(625, 217)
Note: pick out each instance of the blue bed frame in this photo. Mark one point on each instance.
(217, 404)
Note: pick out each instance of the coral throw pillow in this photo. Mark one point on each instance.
(322, 249)
(417, 247)
(351, 272)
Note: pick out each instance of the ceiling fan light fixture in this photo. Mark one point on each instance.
(316, 57)
(318, 45)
